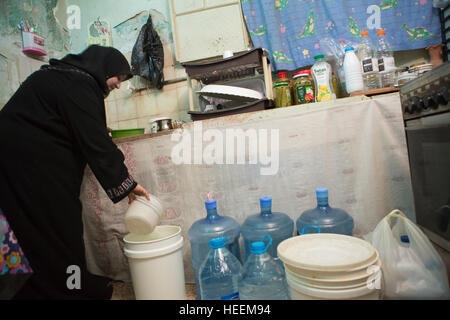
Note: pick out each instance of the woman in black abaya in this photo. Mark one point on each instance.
(49, 130)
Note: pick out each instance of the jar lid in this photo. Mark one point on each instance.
(319, 56)
(282, 75)
(280, 84)
(302, 73)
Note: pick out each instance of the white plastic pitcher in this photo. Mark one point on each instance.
(156, 264)
(143, 215)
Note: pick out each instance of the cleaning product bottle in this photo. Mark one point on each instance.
(219, 273)
(325, 219)
(352, 70)
(276, 224)
(386, 62)
(213, 226)
(321, 71)
(262, 278)
(369, 63)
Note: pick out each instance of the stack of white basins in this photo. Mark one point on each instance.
(331, 266)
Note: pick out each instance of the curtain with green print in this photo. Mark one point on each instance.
(291, 30)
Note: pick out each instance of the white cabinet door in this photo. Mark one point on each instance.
(206, 28)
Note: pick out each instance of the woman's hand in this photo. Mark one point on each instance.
(138, 191)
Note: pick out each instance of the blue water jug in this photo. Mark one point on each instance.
(325, 219)
(276, 224)
(262, 278)
(213, 226)
(219, 273)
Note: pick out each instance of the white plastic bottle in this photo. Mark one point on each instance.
(321, 71)
(369, 63)
(386, 62)
(352, 70)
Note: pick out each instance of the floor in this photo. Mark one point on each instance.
(124, 291)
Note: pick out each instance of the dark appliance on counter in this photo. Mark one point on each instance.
(426, 113)
(253, 65)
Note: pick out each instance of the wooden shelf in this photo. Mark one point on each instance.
(374, 92)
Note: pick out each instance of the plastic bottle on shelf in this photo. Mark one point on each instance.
(325, 219)
(212, 226)
(352, 69)
(340, 66)
(276, 224)
(321, 71)
(386, 62)
(335, 82)
(262, 278)
(369, 63)
(219, 273)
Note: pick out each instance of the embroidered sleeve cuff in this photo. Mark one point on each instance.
(118, 193)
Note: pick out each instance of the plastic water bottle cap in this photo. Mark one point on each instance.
(217, 243)
(258, 247)
(404, 238)
(210, 204)
(349, 49)
(322, 193)
(265, 202)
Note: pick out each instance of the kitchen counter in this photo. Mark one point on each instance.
(268, 114)
(124, 291)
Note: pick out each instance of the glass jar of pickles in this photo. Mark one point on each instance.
(303, 87)
(282, 91)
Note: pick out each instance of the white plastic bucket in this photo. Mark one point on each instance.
(335, 277)
(371, 277)
(326, 253)
(156, 264)
(300, 291)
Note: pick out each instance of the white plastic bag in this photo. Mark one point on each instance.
(411, 270)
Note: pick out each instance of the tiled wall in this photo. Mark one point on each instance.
(126, 109)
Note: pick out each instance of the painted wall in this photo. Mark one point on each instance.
(66, 32)
(126, 108)
(15, 66)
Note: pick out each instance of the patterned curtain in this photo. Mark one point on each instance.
(291, 30)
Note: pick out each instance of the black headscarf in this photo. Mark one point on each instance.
(100, 62)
